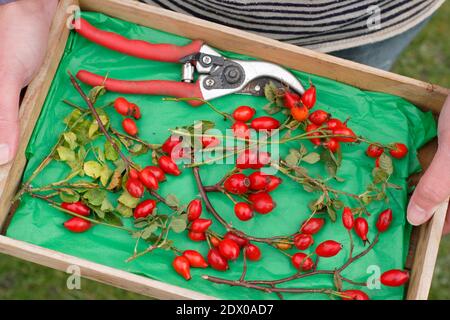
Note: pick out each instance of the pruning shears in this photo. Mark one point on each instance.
(218, 76)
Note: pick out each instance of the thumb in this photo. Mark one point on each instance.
(9, 123)
(432, 190)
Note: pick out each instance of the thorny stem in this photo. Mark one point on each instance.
(123, 135)
(77, 87)
(209, 104)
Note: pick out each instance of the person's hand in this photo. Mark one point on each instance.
(434, 187)
(24, 29)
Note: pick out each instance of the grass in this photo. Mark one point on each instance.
(427, 58)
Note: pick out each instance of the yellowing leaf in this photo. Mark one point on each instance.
(93, 169)
(65, 154)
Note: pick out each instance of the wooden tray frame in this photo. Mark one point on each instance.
(422, 94)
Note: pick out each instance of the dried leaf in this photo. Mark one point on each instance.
(66, 154)
(386, 164)
(128, 200)
(311, 158)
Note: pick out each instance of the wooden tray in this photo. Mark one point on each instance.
(425, 246)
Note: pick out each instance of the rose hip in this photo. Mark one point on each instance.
(157, 172)
(344, 135)
(135, 187)
(77, 225)
(200, 225)
(265, 123)
(209, 142)
(291, 99)
(229, 249)
(168, 166)
(334, 124)
(77, 207)
(182, 267)
(194, 209)
(313, 127)
(144, 209)
(196, 236)
(148, 179)
(394, 278)
(300, 113)
(332, 144)
(135, 111)
(122, 106)
(374, 151)
(129, 126)
(243, 211)
(262, 202)
(252, 252)
(384, 220)
(237, 183)
(240, 130)
(399, 150)
(328, 248)
(195, 259)
(303, 241)
(214, 241)
(354, 295)
(362, 228)
(243, 113)
(312, 226)
(309, 97)
(170, 144)
(319, 117)
(242, 242)
(252, 159)
(216, 261)
(348, 220)
(302, 262)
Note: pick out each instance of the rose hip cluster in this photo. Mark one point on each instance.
(255, 189)
(128, 109)
(243, 114)
(304, 240)
(222, 250)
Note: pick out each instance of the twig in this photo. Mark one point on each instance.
(77, 87)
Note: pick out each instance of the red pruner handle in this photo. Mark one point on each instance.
(153, 87)
(136, 48)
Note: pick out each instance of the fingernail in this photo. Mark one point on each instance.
(416, 214)
(4, 154)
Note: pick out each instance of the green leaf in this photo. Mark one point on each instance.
(93, 169)
(106, 206)
(386, 163)
(93, 129)
(128, 200)
(178, 224)
(71, 139)
(113, 219)
(110, 153)
(124, 210)
(72, 117)
(66, 154)
(379, 175)
(105, 174)
(148, 231)
(293, 158)
(331, 213)
(68, 195)
(270, 91)
(95, 93)
(172, 201)
(311, 158)
(95, 196)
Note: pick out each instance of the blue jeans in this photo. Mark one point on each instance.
(384, 53)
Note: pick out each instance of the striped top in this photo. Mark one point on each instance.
(323, 25)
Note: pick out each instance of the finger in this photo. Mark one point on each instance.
(434, 187)
(446, 229)
(9, 124)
